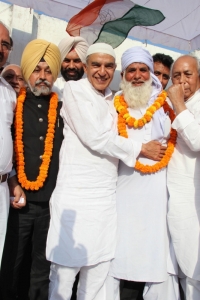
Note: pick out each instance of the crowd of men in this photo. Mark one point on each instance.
(101, 185)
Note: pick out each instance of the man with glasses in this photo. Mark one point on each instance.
(7, 102)
(5, 44)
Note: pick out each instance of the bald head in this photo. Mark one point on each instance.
(185, 71)
(4, 44)
(13, 75)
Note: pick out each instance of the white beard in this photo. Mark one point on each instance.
(136, 96)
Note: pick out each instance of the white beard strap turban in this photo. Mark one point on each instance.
(139, 55)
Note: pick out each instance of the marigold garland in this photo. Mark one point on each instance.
(48, 143)
(124, 119)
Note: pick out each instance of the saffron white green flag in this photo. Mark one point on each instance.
(110, 21)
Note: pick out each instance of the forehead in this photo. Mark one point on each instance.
(72, 55)
(101, 58)
(185, 63)
(158, 66)
(4, 34)
(12, 70)
(137, 65)
(42, 65)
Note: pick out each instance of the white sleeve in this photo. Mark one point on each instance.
(83, 119)
(189, 129)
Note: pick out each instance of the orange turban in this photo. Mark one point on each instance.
(34, 52)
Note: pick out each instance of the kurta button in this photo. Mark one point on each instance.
(40, 156)
(40, 120)
(39, 105)
(41, 138)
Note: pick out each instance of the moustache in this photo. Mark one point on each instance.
(46, 82)
(70, 70)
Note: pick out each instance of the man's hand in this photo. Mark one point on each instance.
(153, 150)
(17, 192)
(176, 96)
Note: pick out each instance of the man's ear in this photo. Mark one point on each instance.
(85, 68)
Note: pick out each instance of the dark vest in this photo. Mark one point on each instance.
(35, 117)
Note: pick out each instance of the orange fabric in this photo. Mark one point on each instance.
(86, 16)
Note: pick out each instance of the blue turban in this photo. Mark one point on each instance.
(140, 55)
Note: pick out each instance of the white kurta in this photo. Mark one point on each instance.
(143, 244)
(184, 189)
(8, 102)
(58, 87)
(83, 207)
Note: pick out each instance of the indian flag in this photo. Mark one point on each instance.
(110, 21)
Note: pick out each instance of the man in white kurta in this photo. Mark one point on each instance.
(82, 234)
(184, 173)
(143, 242)
(8, 102)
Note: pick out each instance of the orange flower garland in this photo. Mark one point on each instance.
(48, 144)
(125, 119)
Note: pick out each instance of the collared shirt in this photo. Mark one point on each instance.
(8, 103)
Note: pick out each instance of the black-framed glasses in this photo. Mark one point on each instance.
(5, 46)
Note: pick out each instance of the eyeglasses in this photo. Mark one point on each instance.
(5, 46)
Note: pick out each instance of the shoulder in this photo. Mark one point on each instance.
(7, 91)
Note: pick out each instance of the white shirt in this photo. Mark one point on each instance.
(83, 208)
(8, 102)
(58, 87)
(142, 250)
(184, 189)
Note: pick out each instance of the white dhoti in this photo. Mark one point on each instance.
(166, 290)
(91, 282)
(191, 288)
(4, 209)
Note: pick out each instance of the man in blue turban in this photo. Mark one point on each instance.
(143, 252)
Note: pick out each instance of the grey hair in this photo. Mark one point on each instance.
(190, 55)
(7, 68)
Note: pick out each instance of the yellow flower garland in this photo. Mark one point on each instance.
(124, 119)
(48, 144)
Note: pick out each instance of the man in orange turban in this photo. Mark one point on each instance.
(38, 137)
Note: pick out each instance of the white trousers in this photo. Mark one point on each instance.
(191, 288)
(91, 282)
(4, 209)
(167, 290)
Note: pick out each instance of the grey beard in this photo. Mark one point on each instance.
(37, 91)
(136, 96)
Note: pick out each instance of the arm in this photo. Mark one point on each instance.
(17, 192)
(83, 119)
(176, 96)
(186, 124)
(188, 128)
